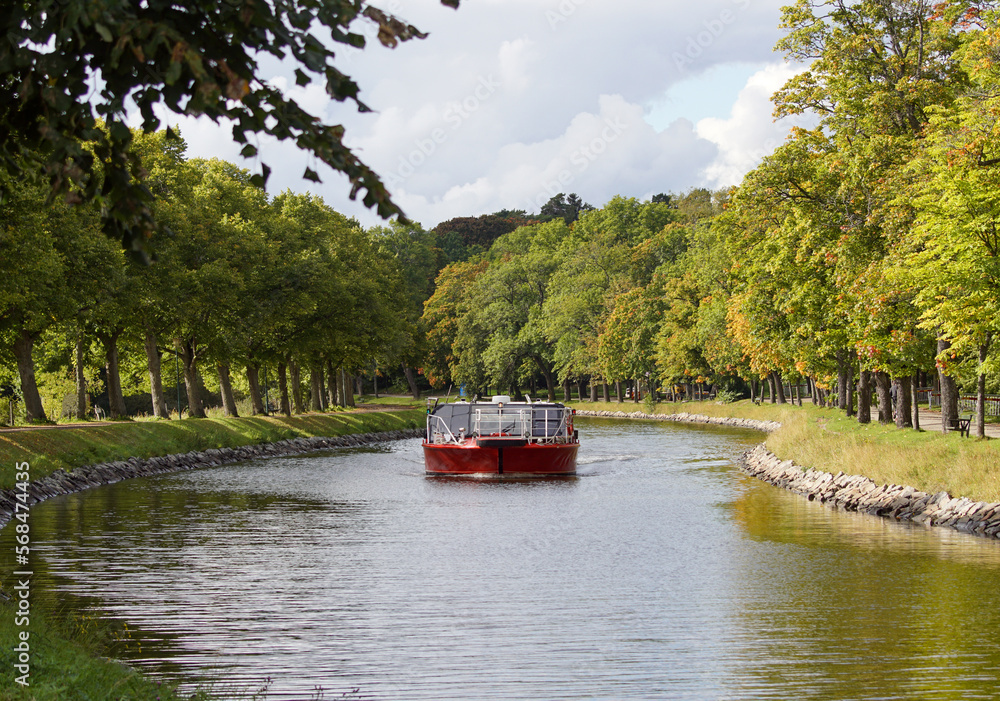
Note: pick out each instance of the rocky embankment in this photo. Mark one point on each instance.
(60, 482)
(843, 491)
(857, 493)
(683, 418)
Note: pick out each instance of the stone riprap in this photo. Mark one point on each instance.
(843, 491)
(60, 482)
(857, 493)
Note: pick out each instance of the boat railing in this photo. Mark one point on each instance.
(438, 430)
(531, 423)
(538, 425)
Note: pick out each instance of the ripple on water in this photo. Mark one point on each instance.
(659, 572)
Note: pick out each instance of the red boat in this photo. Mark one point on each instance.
(500, 437)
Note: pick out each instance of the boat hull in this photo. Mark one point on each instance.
(471, 459)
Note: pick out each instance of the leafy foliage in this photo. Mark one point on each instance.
(70, 71)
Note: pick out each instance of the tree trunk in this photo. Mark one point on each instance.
(116, 402)
(864, 398)
(779, 386)
(189, 359)
(772, 393)
(337, 383)
(514, 391)
(949, 392)
(286, 404)
(914, 386)
(606, 392)
(903, 408)
(883, 388)
(78, 376)
(23, 348)
(253, 379)
(226, 390)
(842, 379)
(567, 390)
(153, 365)
(411, 380)
(580, 386)
(618, 392)
(316, 388)
(849, 392)
(349, 389)
(331, 384)
(346, 394)
(296, 379)
(550, 379)
(984, 350)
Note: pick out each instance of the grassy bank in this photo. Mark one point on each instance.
(825, 439)
(69, 656)
(68, 661)
(48, 449)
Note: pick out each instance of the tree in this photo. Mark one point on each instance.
(566, 208)
(443, 311)
(628, 340)
(412, 250)
(876, 70)
(955, 255)
(508, 302)
(57, 269)
(463, 237)
(197, 59)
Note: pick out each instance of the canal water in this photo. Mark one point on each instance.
(660, 571)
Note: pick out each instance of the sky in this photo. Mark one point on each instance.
(509, 102)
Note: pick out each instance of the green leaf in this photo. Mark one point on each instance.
(173, 72)
(104, 32)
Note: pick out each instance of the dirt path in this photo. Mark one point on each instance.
(931, 421)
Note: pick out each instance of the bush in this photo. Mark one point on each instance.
(727, 396)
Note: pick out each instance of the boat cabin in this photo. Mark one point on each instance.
(499, 418)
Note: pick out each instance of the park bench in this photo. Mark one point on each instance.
(961, 424)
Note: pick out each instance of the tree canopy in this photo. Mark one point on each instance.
(70, 72)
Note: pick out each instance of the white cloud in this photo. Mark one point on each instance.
(750, 131)
(611, 150)
(502, 103)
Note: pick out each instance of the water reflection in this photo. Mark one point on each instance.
(659, 571)
(860, 607)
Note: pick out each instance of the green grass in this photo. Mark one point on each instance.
(49, 449)
(68, 662)
(827, 440)
(392, 400)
